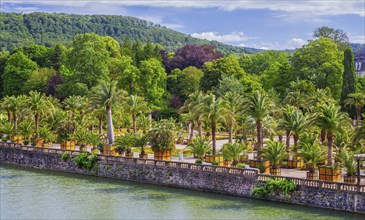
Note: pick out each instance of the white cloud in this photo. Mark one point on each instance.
(309, 8)
(357, 39)
(295, 43)
(26, 9)
(224, 38)
(173, 26)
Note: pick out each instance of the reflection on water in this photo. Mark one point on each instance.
(35, 194)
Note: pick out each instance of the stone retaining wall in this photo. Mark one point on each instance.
(220, 182)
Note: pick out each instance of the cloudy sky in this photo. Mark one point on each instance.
(266, 24)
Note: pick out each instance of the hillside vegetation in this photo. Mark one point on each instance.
(47, 29)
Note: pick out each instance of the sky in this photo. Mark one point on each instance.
(264, 24)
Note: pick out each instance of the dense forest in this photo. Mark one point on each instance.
(48, 29)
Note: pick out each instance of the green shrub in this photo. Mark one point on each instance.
(198, 161)
(214, 163)
(86, 160)
(274, 186)
(64, 156)
(241, 165)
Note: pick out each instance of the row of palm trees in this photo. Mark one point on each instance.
(296, 116)
(75, 112)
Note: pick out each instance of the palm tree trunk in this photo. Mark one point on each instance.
(296, 138)
(287, 140)
(9, 117)
(15, 122)
(358, 114)
(134, 123)
(36, 121)
(230, 130)
(110, 133)
(280, 137)
(100, 124)
(214, 128)
(191, 131)
(329, 144)
(260, 137)
(150, 118)
(323, 136)
(199, 122)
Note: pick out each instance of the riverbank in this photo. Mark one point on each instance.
(232, 181)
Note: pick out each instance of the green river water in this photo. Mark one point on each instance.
(35, 194)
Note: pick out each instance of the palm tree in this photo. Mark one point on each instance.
(73, 105)
(258, 106)
(191, 105)
(296, 99)
(312, 152)
(358, 101)
(294, 122)
(6, 107)
(359, 133)
(38, 105)
(330, 119)
(286, 123)
(13, 105)
(106, 93)
(136, 105)
(214, 110)
(199, 146)
(234, 101)
(26, 129)
(232, 151)
(275, 152)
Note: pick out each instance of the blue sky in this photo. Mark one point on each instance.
(266, 24)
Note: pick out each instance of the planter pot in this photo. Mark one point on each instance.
(83, 148)
(47, 145)
(243, 158)
(349, 179)
(210, 159)
(227, 163)
(39, 142)
(143, 156)
(312, 175)
(107, 149)
(68, 145)
(129, 154)
(275, 171)
(162, 155)
(259, 163)
(295, 162)
(329, 174)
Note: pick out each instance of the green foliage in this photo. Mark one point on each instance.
(162, 138)
(311, 151)
(348, 162)
(275, 152)
(17, 71)
(65, 156)
(48, 29)
(232, 151)
(320, 62)
(153, 81)
(88, 59)
(348, 85)
(274, 186)
(214, 71)
(198, 161)
(38, 80)
(126, 142)
(86, 161)
(199, 146)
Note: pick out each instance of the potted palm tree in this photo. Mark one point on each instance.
(200, 147)
(47, 137)
(232, 152)
(141, 141)
(275, 153)
(162, 141)
(349, 163)
(8, 130)
(313, 154)
(330, 119)
(94, 139)
(81, 137)
(26, 130)
(127, 141)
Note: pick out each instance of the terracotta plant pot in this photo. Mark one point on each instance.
(349, 179)
(275, 171)
(312, 175)
(329, 174)
(162, 155)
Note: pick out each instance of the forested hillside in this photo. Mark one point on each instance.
(47, 29)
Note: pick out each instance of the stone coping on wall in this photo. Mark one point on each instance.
(206, 168)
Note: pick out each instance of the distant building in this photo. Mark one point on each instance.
(359, 61)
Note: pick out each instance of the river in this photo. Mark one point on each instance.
(36, 194)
